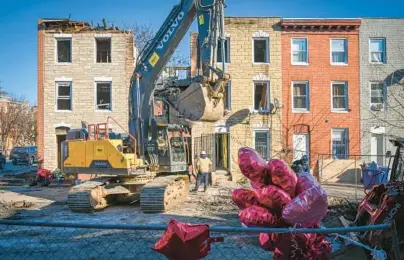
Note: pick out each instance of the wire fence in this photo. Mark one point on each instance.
(354, 173)
(44, 240)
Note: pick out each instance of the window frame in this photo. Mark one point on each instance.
(100, 37)
(57, 84)
(65, 38)
(384, 50)
(227, 104)
(346, 136)
(227, 43)
(268, 95)
(384, 95)
(346, 97)
(345, 51)
(268, 140)
(95, 95)
(267, 50)
(300, 110)
(307, 51)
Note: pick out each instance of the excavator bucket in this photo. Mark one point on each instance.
(195, 104)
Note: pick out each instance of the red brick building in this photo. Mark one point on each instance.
(320, 88)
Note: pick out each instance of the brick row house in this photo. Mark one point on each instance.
(84, 74)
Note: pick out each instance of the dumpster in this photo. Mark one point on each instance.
(372, 175)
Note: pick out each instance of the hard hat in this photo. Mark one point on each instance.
(203, 153)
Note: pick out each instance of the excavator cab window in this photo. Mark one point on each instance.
(177, 145)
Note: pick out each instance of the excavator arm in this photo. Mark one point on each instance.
(199, 98)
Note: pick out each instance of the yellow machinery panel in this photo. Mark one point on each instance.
(77, 155)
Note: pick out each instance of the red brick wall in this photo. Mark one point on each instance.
(320, 73)
(40, 89)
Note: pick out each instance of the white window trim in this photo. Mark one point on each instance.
(384, 50)
(95, 97)
(227, 42)
(339, 110)
(60, 38)
(263, 130)
(300, 110)
(63, 81)
(307, 52)
(268, 83)
(267, 53)
(101, 36)
(346, 52)
(370, 95)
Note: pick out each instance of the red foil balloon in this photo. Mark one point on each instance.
(272, 198)
(282, 176)
(305, 181)
(251, 164)
(258, 216)
(244, 198)
(268, 241)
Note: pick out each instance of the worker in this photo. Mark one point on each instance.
(203, 167)
(301, 165)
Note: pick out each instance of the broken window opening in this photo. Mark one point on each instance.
(64, 50)
(104, 96)
(261, 96)
(103, 50)
(261, 50)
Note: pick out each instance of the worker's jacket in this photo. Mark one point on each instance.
(203, 165)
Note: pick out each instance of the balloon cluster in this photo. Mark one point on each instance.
(281, 199)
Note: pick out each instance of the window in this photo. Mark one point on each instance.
(261, 96)
(261, 143)
(339, 51)
(299, 51)
(226, 51)
(300, 96)
(339, 96)
(64, 50)
(103, 46)
(339, 143)
(227, 104)
(261, 50)
(103, 96)
(377, 49)
(377, 94)
(64, 96)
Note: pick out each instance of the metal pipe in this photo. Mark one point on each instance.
(212, 228)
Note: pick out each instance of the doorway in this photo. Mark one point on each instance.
(222, 147)
(377, 148)
(59, 140)
(300, 146)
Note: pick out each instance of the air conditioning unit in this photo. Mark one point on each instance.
(376, 107)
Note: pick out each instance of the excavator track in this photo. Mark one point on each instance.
(163, 193)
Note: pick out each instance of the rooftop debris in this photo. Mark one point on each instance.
(70, 26)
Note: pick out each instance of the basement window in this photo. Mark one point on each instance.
(261, 50)
(63, 96)
(226, 51)
(64, 50)
(261, 96)
(103, 96)
(103, 46)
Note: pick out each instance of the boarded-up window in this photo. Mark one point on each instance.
(64, 50)
(64, 96)
(104, 96)
(103, 50)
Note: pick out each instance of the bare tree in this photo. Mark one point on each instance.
(17, 124)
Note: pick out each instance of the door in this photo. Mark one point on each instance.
(222, 150)
(300, 146)
(377, 148)
(59, 140)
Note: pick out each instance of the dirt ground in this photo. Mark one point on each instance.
(213, 207)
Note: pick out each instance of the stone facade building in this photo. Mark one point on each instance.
(382, 86)
(320, 75)
(253, 60)
(84, 74)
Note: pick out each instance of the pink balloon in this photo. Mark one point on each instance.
(272, 198)
(282, 176)
(251, 164)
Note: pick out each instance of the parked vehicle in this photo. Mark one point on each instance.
(2, 161)
(27, 154)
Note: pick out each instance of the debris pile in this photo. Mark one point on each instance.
(281, 199)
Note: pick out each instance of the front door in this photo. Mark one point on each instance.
(59, 140)
(377, 148)
(300, 146)
(222, 150)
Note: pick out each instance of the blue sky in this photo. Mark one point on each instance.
(18, 20)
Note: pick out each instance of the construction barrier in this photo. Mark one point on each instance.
(55, 240)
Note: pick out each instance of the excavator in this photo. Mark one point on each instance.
(148, 163)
